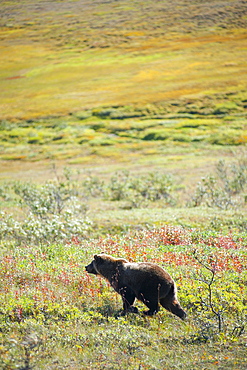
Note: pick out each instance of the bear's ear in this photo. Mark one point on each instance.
(96, 257)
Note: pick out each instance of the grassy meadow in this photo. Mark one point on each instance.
(123, 130)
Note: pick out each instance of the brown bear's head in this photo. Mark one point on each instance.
(102, 264)
(91, 268)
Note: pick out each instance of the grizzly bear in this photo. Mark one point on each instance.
(145, 281)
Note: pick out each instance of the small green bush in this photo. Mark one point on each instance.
(52, 211)
(138, 190)
(225, 188)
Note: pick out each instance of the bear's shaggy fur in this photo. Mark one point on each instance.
(145, 281)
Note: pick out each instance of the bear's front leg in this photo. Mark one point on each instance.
(128, 297)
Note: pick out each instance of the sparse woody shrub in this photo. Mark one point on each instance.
(53, 211)
(138, 190)
(220, 307)
(225, 188)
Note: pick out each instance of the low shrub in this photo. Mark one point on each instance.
(137, 190)
(52, 211)
(225, 188)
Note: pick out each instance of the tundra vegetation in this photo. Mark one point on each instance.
(122, 131)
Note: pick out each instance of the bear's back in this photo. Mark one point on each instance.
(146, 271)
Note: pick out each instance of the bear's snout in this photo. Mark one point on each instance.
(90, 269)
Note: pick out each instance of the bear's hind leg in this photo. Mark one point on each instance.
(128, 297)
(152, 303)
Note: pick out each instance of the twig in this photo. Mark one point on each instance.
(209, 286)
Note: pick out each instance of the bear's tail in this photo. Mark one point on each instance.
(171, 303)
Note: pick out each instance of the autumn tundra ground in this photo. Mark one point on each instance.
(123, 130)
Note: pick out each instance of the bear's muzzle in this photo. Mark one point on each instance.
(90, 269)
